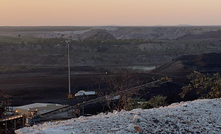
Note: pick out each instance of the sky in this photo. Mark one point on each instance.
(109, 12)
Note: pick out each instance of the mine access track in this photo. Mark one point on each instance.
(104, 98)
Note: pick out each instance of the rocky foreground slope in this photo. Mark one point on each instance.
(193, 117)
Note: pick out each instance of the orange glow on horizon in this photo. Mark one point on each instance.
(109, 12)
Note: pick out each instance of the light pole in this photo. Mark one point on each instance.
(69, 72)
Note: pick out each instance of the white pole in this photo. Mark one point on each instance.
(69, 73)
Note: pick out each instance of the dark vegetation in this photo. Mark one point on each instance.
(202, 86)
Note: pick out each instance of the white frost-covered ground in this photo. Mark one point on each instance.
(199, 116)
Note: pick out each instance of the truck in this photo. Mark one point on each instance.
(85, 93)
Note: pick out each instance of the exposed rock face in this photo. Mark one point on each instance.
(163, 32)
(161, 45)
(98, 34)
(179, 32)
(205, 35)
(97, 54)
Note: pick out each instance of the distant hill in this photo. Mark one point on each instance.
(206, 35)
(208, 63)
(114, 32)
(106, 45)
(98, 34)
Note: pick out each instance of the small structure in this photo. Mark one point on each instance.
(37, 108)
(33, 111)
(9, 120)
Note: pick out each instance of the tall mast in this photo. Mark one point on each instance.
(69, 72)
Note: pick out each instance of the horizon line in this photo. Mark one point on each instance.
(180, 25)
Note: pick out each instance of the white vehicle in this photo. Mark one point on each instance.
(82, 93)
(113, 98)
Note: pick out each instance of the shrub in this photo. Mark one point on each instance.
(157, 101)
(203, 85)
(133, 103)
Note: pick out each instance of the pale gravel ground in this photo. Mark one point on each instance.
(197, 117)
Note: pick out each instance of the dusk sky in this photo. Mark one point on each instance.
(109, 12)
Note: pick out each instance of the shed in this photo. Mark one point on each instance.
(38, 108)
